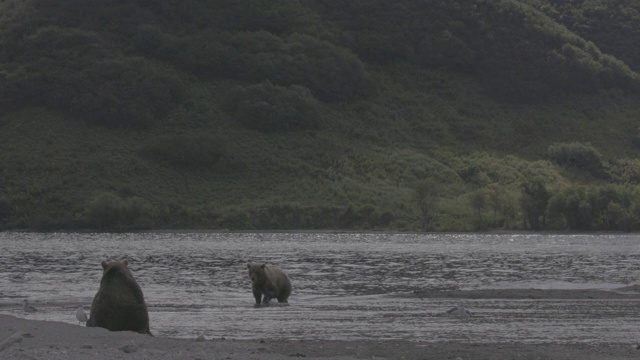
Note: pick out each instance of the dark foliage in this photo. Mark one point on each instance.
(331, 73)
(520, 53)
(363, 114)
(297, 217)
(581, 156)
(5, 210)
(533, 202)
(602, 22)
(267, 107)
(131, 93)
(585, 208)
(74, 71)
(186, 151)
(108, 211)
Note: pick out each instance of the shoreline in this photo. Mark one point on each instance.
(619, 293)
(27, 339)
(315, 231)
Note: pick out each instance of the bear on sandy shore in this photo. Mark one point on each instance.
(119, 304)
(270, 282)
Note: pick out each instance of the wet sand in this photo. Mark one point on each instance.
(31, 339)
(627, 292)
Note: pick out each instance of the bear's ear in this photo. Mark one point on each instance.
(126, 262)
(104, 264)
(249, 266)
(263, 266)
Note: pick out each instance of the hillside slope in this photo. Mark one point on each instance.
(306, 114)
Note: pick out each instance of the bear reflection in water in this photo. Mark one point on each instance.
(119, 304)
(270, 282)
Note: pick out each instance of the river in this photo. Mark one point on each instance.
(345, 285)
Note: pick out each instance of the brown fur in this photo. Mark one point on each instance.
(270, 282)
(119, 304)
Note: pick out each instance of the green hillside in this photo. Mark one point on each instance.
(451, 115)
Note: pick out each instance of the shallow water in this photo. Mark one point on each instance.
(346, 286)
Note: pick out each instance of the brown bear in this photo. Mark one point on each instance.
(119, 304)
(270, 282)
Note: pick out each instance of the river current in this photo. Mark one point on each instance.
(346, 286)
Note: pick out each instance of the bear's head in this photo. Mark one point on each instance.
(257, 273)
(115, 267)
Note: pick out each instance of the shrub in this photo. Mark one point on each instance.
(105, 211)
(276, 16)
(209, 55)
(445, 49)
(583, 208)
(139, 214)
(151, 41)
(48, 64)
(267, 107)
(234, 219)
(332, 73)
(5, 210)
(126, 92)
(74, 71)
(625, 171)
(581, 156)
(188, 151)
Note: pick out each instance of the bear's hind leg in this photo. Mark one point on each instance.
(284, 296)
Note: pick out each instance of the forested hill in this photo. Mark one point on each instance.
(423, 115)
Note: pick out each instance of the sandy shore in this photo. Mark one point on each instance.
(31, 339)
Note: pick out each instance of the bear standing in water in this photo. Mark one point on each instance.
(119, 304)
(270, 282)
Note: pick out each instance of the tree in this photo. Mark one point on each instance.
(5, 209)
(496, 199)
(533, 200)
(426, 196)
(479, 203)
(105, 211)
(574, 206)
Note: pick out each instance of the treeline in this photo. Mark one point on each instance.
(583, 208)
(475, 193)
(534, 207)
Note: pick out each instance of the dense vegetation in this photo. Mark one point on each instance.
(444, 115)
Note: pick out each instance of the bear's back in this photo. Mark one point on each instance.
(119, 303)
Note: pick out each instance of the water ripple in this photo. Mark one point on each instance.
(196, 283)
